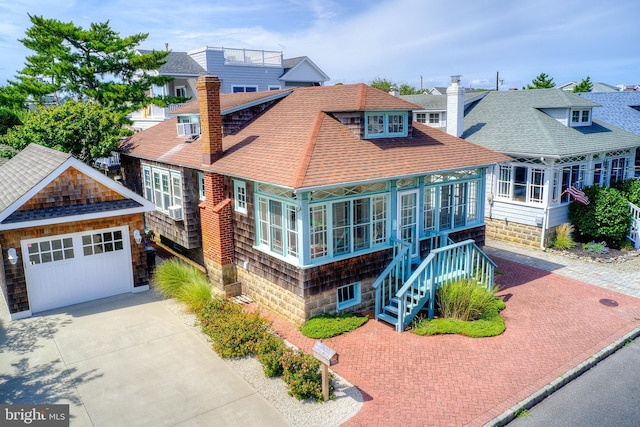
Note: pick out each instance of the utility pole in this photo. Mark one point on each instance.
(497, 79)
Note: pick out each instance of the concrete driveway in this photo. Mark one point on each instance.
(124, 361)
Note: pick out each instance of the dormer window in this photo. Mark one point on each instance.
(385, 124)
(580, 117)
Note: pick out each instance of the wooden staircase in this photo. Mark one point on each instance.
(403, 290)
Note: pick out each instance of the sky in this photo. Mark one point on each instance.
(416, 42)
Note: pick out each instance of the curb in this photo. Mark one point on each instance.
(510, 414)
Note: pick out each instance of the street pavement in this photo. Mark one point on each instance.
(606, 395)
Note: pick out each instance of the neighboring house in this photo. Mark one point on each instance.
(620, 109)
(67, 233)
(597, 87)
(239, 70)
(554, 142)
(310, 200)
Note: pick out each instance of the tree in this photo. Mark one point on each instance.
(85, 129)
(386, 85)
(95, 64)
(542, 81)
(584, 86)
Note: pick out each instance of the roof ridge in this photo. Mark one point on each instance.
(309, 146)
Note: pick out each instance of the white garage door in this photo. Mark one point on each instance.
(72, 268)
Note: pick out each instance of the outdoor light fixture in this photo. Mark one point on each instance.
(137, 236)
(12, 256)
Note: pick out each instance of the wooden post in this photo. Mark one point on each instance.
(325, 381)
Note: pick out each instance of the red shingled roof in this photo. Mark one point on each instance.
(298, 144)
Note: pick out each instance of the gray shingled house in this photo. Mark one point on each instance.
(555, 143)
(68, 233)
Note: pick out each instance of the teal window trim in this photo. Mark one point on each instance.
(452, 204)
(348, 296)
(385, 124)
(201, 191)
(347, 227)
(240, 196)
(277, 228)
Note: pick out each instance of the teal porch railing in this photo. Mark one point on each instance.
(398, 303)
(397, 272)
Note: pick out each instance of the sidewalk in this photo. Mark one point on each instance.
(557, 327)
(625, 281)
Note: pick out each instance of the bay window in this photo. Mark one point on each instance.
(164, 188)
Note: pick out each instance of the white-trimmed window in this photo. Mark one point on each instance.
(102, 242)
(580, 117)
(201, 191)
(50, 251)
(421, 117)
(277, 227)
(181, 91)
(434, 118)
(348, 226)
(165, 189)
(274, 87)
(385, 124)
(239, 88)
(348, 296)
(240, 192)
(566, 177)
(521, 183)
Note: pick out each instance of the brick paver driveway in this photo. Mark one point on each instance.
(553, 324)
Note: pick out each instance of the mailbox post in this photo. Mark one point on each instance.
(327, 357)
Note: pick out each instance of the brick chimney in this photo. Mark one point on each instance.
(208, 88)
(455, 107)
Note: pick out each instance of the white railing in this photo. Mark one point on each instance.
(252, 57)
(634, 231)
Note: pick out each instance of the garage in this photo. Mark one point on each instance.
(72, 268)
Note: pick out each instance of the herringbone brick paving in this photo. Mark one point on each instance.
(553, 324)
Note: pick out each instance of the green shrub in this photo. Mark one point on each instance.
(171, 275)
(491, 324)
(564, 237)
(196, 293)
(303, 377)
(464, 300)
(234, 332)
(597, 248)
(269, 352)
(606, 218)
(630, 190)
(330, 325)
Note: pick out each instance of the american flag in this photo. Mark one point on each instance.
(578, 195)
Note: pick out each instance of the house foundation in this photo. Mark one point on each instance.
(519, 234)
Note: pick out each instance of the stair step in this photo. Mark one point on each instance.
(386, 318)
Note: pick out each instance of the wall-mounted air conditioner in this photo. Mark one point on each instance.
(175, 212)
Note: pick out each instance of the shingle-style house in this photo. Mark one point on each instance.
(316, 199)
(239, 70)
(68, 234)
(555, 142)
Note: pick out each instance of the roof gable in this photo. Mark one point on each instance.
(302, 69)
(37, 169)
